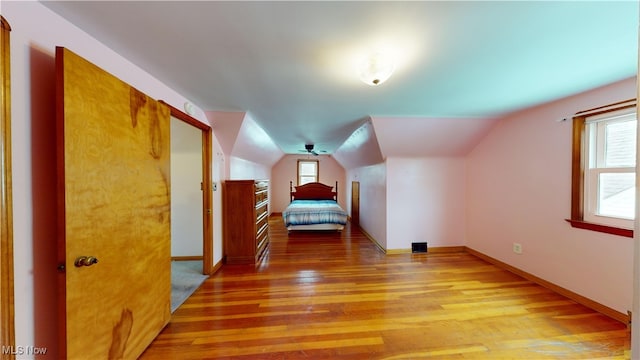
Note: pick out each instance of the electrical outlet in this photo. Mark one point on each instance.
(517, 248)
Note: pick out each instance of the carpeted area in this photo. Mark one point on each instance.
(186, 277)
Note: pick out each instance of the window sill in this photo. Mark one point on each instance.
(600, 228)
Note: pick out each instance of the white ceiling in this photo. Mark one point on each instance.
(292, 65)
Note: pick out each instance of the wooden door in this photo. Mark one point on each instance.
(7, 313)
(114, 197)
(355, 202)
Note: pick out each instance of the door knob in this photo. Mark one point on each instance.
(85, 261)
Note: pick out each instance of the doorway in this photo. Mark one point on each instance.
(192, 135)
(186, 192)
(187, 230)
(355, 203)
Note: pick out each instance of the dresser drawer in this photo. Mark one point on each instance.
(261, 185)
(262, 196)
(261, 211)
(261, 222)
(262, 240)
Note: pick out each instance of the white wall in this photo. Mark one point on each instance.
(519, 190)
(241, 169)
(36, 31)
(219, 174)
(425, 202)
(286, 170)
(186, 191)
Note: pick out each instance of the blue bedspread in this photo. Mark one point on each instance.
(307, 212)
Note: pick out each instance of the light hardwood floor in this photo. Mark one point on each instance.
(336, 296)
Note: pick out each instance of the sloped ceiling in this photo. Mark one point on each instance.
(239, 135)
(414, 137)
(360, 149)
(226, 125)
(293, 65)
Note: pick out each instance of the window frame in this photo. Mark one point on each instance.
(579, 169)
(317, 175)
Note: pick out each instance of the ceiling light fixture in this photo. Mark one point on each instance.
(376, 69)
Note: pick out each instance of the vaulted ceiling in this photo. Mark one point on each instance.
(292, 66)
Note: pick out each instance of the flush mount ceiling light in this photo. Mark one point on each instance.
(376, 69)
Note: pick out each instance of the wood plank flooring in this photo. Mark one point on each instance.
(328, 295)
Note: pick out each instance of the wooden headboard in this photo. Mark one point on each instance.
(313, 191)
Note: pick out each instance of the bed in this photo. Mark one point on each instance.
(314, 206)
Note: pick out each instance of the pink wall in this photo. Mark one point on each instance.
(286, 170)
(425, 202)
(373, 199)
(405, 200)
(518, 186)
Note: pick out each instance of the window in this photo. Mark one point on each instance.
(604, 164)
(307, 171)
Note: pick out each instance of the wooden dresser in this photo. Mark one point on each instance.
(245, 215)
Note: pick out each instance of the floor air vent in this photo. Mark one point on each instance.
(420, 247)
